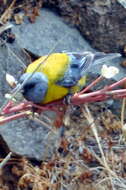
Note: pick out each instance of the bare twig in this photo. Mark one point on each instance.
(103, 161)
(4, 120)
(5, 160)
(100, 78)
(123, 111)
(7, 11)
(5, 27)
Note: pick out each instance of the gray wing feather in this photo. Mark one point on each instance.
(80, 64)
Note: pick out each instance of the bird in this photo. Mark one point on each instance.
(58, 75)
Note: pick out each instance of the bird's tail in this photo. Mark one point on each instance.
(90, 59)
(100, 57)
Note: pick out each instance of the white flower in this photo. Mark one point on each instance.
(11, 80)
(109, 71)
(8, 96)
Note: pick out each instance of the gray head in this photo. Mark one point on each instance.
(35, 88)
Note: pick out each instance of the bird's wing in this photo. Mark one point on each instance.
(80, 64)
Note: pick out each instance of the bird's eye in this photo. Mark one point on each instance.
(75, 65)
(29, 86)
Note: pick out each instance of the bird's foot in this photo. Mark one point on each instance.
(67, 99)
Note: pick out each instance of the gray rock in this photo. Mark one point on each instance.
(100, 21)
(24, 136)
(47, 32)
(29, 138)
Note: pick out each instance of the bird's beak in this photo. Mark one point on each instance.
(18, 88)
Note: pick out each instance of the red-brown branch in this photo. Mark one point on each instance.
(12, 117)
(58, 106)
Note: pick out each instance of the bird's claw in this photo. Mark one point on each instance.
(67, 99)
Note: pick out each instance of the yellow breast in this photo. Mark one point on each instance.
(53, 67)
(55, 92)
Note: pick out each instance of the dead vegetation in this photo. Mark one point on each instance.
(90, 155)
(17, 10)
